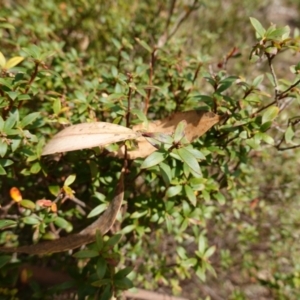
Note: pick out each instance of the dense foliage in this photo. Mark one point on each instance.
(234, 216)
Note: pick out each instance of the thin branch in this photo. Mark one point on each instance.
(128, 100)
(281, 95)
(270, 60)
(167, 35)
(151, 71)
(288, 148)
(261, 109)
(171, 11)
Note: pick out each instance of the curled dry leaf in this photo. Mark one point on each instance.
(198, 122)
(88, 135)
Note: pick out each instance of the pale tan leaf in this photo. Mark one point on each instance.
(13, 62)
(198, 122)
(2, 60)
(88, 135)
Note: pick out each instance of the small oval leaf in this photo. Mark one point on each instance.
(27, 204)
(70, 179)
(270, 114)
(153, 159)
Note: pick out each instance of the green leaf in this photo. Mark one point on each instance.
(15, 143)
(266, 138)
(220, 198)
(113, 240)
(258, 27)
(54, 190)
(97, 210)
(189, 159)
(2, 171)
(123, 273)
(70, 179)
(31, 220)
(27, 204)
(11, 121)
(179, 131)
(141, 116)
(35, 168)
(198, 184)
(6, 162)
(12, 95)
(128, 228)
(29, 119)
(200, 272)
(202, 243)
(62, 223)
(86, 254)
(190, 194)
(7, 224)
(188, 263)
(99, 240)
(101, 267)
(278, 33)
(166, 172)
(181, 252)
(1, 123)
(173, 191)
(154, 159)
(144, 45)
(289, 134)
(4, 259)
(3, 148)
(209, 252)
(258, 80)
(101, 282)
(123, 284)
(56, 106)
(270, 114)
(138, 214)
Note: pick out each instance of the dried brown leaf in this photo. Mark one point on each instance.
(198, 122)
(88, 135)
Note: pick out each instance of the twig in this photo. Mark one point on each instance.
(166, 36)
(171, 11)
(151, 65)
(128, 100)
(288, 148)
(181, 19)
(270, 59)
(261, 109)
(282, 95)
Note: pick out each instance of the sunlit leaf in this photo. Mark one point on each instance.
(258, 27)
(270, 114)
(88, 135)
(70, 179)
(189, 159)
(13, 62)
(154, 159)
(15, 194)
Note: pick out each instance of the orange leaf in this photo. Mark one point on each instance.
(44, 203)
(54, 207)
(15, 194)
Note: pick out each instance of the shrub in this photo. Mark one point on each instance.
(178, 200)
